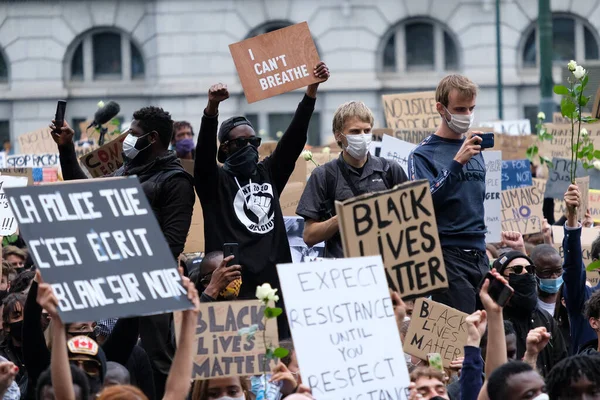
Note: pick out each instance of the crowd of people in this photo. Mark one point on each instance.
(543, 343)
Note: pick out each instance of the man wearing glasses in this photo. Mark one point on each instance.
(525, 314)
(240, 200)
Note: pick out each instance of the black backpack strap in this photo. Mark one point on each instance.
(388, 178)
(328, 208)
(344, 170)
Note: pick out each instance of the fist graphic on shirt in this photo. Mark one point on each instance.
(260, 206)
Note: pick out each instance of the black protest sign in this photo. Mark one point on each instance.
(222, 350)
(99, 245)
(400, 225)
(559, 177)
(436, 328)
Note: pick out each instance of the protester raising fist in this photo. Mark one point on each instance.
(514, 240)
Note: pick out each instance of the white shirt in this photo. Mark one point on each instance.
(547, 306)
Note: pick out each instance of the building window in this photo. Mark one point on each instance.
(572, 39)
(102, 55)
(4, 131)
(279, 122)
(3, 69)
(419, 45)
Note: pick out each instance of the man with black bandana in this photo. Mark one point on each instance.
(523, 310)
(240, 201)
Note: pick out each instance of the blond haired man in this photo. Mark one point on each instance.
(355, 172)
(454, 166)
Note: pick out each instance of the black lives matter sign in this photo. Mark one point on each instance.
(99, 245)
(399, 224)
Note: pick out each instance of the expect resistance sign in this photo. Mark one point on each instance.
(98, 244)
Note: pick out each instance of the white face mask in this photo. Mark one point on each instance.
(129, 146)
(460, 123)
(358, 145)
(243, 397)
(541, 396)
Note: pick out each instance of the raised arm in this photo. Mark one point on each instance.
(206, 176)
(69, 164)
(496, 346)
(35, 352)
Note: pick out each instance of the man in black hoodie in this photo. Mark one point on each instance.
(240, 201)
(523, 310)
(170, 192)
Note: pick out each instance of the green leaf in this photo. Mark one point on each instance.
(115, 121)
(530, 153)
(589, 120)
(584, 100)
(567, 107)
(593, 266)
(280, 352)
(585, 80)
(590, 156)
(561, 89)
(273, 312)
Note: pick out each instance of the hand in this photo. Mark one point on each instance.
(476, 324)
(491, 307)
(547, 232)
(321, 72)
(470, 147)
(8, 372)
(305, 391)
(572, 201)
(457, 363)
(222, 276)
(514, 240)
(46, 298)
(588, 221)
(216, 94)
(537, 339)
(192, 294)
(281, 373)
(399, 308)
(65, 136)
(414, 395)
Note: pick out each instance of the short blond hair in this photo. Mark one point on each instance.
(350, 110)
(466, 88)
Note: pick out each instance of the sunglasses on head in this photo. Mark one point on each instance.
(242, 142)
(90, 367)
(518, 269)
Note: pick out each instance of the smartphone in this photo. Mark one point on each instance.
(231, 249)
(498, 291)
(487, 140)
(435, 361)
(59, 118)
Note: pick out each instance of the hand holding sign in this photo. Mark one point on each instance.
(65, 136)
(572, 200)
(322, 73)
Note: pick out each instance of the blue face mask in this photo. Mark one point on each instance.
(551, 286)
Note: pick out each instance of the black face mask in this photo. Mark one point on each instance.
(525, 297)
(95, 384)
(243, 162)
(16, 330)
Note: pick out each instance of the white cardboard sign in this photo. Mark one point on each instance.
(396, 150)
(514, 127)
(493, 203)
(8, 223)
(344, 329)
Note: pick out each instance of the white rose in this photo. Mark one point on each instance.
(326, 150)
(583, 132)
(262, 132)
(579, 72)
(279, 134)
(572, 65)
(541, 115)
(100, 104)
(307, 155)
(265, 293)
(597, 164)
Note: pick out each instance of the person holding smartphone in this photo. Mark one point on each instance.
(451, 161)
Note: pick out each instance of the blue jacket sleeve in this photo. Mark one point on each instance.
(471, 376)
(440, 184)
(576, 291)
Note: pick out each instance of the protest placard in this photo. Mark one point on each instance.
(583, 183)
(588, 235)
(276, 62)
(492, 203)
(379, 132)
(106, 159)
(411, 110)
(26, 172)
(513, 127)
(99, 245)
(522, 210)
(560, 145)
(400, 225)
(113, 130)
(415, 136)
(436, 328)
(345, 307)
(594, 205)
(559, 178)
(557, 118)
(512, 147)
(37, 142)
(516, 174)
(33, 160)
(221, 351)
(396, 150)
(8, 224)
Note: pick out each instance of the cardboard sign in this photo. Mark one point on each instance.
(106, 159)
(8, 224)
(594, 205)
(560, 145)
(37, 142)
(557, 117)
(415, 136)
(26, 172)
(522, 210)
(276, 62)
(400, 225)
(436, 328)
(340, 315)
(397, 150)
(221, 350)
(516, 174)
(588, 235)
(33, 161)
(99, 245)
(411, 110)
(379, 132)
(513, 147)
(113, 131)
(515, 127)
(559, 178)
(492, 203)
(583, 184)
